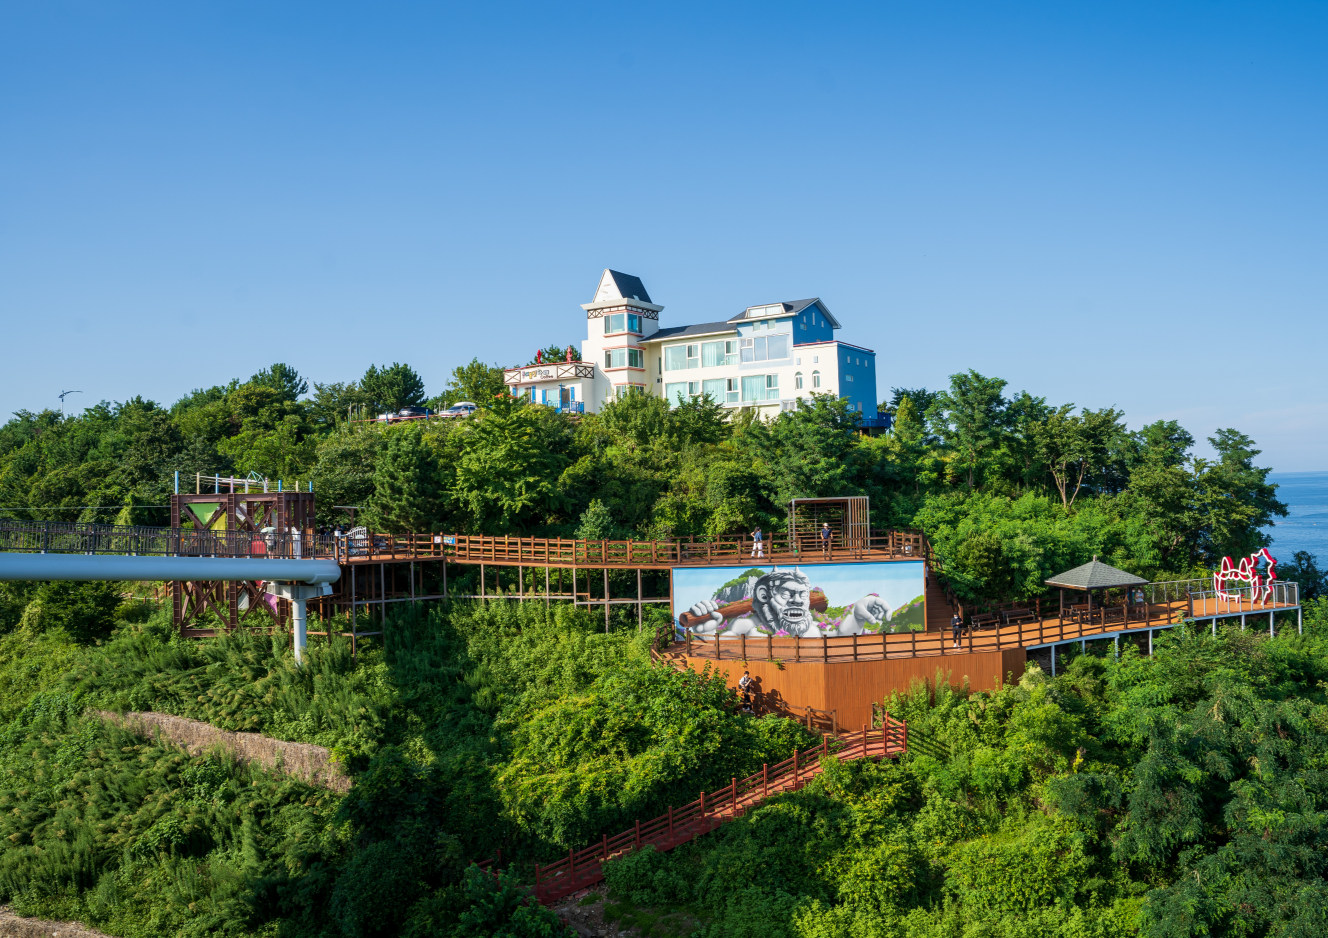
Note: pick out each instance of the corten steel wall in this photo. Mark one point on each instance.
(851, 687)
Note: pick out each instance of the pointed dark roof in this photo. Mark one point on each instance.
(629, 287)
(792, 308)
(1095, 575)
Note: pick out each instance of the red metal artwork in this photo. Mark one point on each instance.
(1247, 571)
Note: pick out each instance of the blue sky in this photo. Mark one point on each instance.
(1113, 204)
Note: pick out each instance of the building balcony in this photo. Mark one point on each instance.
(551, 371)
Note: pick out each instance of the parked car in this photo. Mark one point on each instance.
(460, 409)
(406, 413)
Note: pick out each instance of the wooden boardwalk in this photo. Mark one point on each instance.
(583, 868)
(1033, 632)
(642, 555)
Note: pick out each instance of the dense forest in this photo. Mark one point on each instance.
(1009, 488)
(1182, 794)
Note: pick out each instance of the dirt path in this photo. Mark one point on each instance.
(15, 926)
(312, 764)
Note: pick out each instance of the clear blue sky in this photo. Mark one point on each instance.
(1113, 204)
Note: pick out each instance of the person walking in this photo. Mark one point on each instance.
(758, 543)
(957, 628)
(827, 539)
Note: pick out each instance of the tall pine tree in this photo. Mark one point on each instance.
(409, 490)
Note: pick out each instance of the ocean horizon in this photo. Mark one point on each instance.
(1306, 527)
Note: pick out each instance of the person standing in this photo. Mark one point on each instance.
(827, 539)
(745, 686)
(957, 628)
(758, 543)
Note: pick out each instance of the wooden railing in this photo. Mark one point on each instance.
(539, 551)
(582, 868)
(1098, 622)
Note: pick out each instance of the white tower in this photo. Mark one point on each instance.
(617, 319)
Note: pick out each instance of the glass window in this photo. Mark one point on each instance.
(693, 388)
(815, 359)
(675, 393)
(772, 387)
(778, 347)
(624, 358)
(848, 378)
(614, 322)
(753, 387)
(693, 356)
(816, 379)
(633, 323)
(712, 354)
(716, 388)
(675, 358)
(797, 381)
(731, 390)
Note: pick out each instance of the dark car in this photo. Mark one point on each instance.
(413, 413)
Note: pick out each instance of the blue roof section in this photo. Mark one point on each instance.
(792, 308)
(681, 332)
(630, 287)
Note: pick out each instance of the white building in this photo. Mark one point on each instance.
(766, 357)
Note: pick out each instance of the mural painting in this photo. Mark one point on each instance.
(803, 601)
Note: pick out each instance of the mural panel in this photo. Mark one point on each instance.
(803, 601)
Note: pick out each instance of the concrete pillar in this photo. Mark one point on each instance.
(301, 629)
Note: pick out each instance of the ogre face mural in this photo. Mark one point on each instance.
(781, 601)
(807, 601)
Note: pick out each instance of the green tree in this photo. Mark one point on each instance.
(408, 485)
(475, 382)
(970, 419)
(511, 458)
(1073, 447)
(283, 379)
(388, 389)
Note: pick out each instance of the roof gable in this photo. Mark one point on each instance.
(614, 285)
(786, 308)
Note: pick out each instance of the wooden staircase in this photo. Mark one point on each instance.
(939, 607)
(584, 868)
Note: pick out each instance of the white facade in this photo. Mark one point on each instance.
(766, 357)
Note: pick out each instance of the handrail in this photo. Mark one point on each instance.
(359, 544)
(581, 868)
(1099, 622)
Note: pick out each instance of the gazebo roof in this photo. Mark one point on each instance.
(1095, 575)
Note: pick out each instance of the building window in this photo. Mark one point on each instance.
(693, 388)
(623, 390)
(675, 393)
(624, 358)
(804, 325)
(716, 388)
(848, 378)
(815, 359)
(797, 381)
(732, 391)
(678, 357)
(765, 348)
(772, 387)
(622, 322)
(816, 379)
(721, 352)
(798, 360)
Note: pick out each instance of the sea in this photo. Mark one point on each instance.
(1306, 527)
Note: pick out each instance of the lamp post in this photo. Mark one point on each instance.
(63, 395)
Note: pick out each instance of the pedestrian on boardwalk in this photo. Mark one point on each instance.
(758, 543)
(745, 686)
(827, 539)
(957, 628)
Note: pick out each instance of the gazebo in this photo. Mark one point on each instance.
(1094, 575)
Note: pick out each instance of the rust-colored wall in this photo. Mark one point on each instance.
(851, 687)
